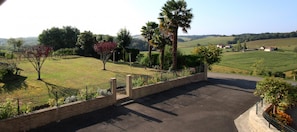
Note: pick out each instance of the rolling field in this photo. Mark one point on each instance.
(273, 61)
(283, 60)
(287, 44)
(188, 46)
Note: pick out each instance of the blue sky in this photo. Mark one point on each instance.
(28, 18)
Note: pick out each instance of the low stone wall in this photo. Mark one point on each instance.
(54, 114)
(257, 123)
(48, 115)
(139, 92)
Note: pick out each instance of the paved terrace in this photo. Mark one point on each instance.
(211, 105)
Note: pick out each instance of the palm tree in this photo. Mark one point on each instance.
(124, 39)
(174, 14)
(147, 32)
(160, 40)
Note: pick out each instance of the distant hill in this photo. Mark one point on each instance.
(185, 38)
(205, 40)
(27, 41)
(3, 41)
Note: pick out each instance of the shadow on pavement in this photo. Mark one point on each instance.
(235, 84)
(113, 114)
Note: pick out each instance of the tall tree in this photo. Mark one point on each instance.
(85, 42)
(124, 39)
(70, 35)
(147, 32)
(37, 55)
(160, 40)
(105, 50)
(59, 37)
(101, 38)
(174, 14)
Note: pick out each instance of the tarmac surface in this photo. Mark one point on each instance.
(206, 106)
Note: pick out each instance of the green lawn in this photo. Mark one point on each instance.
(71, 73)
(273, 61)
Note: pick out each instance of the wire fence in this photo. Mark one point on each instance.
(141, 80)
(55, 97)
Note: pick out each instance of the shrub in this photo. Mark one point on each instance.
(26, 108)
(139, 81)
(65, 51)
(145, 60)
(6, 71)
(8, 109)
(279, 74)
(52, 102)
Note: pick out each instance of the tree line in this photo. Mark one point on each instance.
(252, 37)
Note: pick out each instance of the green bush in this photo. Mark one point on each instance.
(139, 81)
(65, 51)
(26, 108)
(8, 109)
(6, 71)
(144, 59)
(279, 74)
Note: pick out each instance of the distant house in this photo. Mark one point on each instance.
(220, 46)
(228, 47)
(268, 49)
(262, 48)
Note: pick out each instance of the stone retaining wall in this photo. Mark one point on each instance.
(139, 92)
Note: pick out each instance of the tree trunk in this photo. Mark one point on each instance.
(274, 110)
(150, 55)
(162, 58)
(38, 72)
(104, 65)
(174, 50)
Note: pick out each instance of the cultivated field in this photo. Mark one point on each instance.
(283, 60)
(188, 46)
(286, 44)
(273, 61)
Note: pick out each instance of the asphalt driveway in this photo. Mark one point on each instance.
(204, 106)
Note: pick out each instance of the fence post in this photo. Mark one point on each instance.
(257, 108)
(18, 101)
(129, 86)
(56, 94)
(113, 88)
(86, 92)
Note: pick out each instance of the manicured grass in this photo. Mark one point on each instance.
(283, 44)
(70, 73)
(273, 61)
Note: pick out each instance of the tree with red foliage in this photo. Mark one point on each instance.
(36, 55)
(105, 50)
